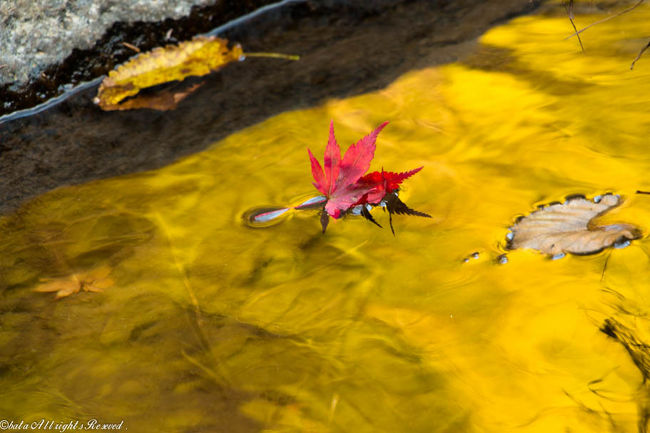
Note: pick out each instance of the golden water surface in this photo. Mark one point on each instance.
(206, 324)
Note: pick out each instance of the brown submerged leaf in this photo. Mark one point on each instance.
(197, 57)
(568, 228)
(90, 281)
(162, 101)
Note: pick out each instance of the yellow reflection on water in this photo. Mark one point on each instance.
(215, 326)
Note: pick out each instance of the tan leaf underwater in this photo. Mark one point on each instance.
(94, 280)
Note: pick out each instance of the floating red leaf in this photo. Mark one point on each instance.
(325, 182)
(382, 183)
(345, 187)
(338, 182)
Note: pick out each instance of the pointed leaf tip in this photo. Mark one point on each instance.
(331, 162)
(407, 174)
(356, 160)
(317, 173)
(395, 179)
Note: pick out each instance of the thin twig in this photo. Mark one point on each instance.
(198, 316)
(131, 47)
(196, 313)
(637, 4)
(632, 67)
(569, 11)
(218, 377)
(180, 267)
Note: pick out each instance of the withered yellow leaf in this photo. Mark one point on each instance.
(569, 228)
(197, 57)
(89, 281)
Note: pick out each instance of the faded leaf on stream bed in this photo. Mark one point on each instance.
(94, 280)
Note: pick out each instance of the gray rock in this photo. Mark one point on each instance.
(38, 33)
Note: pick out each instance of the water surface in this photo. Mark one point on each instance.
(211, 325)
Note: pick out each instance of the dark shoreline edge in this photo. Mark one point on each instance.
(347, 48)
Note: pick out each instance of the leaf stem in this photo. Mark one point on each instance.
(273, 55)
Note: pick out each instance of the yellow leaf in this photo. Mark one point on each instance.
(197, 57)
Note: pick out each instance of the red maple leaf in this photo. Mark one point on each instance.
(339, 181)
(382, 183)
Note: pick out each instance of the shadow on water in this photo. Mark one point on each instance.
(345, 48)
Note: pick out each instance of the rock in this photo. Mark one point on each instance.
(37, 33)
